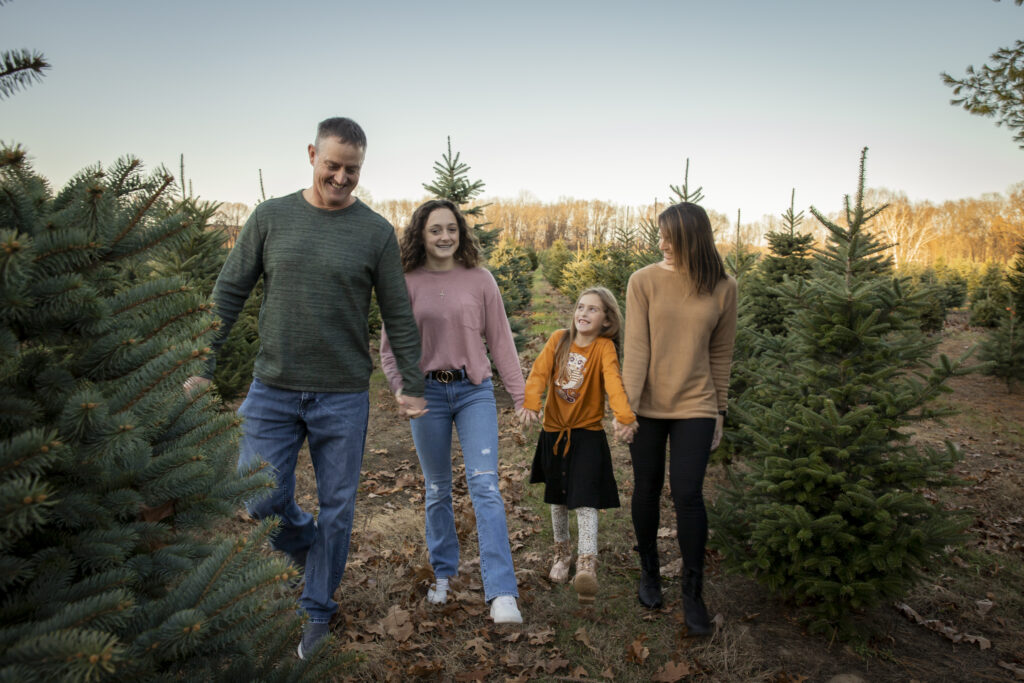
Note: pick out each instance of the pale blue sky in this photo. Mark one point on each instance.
(594, 100)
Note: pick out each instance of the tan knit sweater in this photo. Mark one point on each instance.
(678, 346)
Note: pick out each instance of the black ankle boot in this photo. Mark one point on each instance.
(696, 613)
(649, 588)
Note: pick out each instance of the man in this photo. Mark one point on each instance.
(321, 251)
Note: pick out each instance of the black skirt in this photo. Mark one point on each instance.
(581, 478)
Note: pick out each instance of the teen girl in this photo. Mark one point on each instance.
(578, 367)
(457, 305)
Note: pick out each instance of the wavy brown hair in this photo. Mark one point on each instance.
(687, 228)
(612, 316)
(414, 253)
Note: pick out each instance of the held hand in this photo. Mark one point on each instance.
(717, 438)
(527, 417)
(411, 407)
(624, 432)
(195, 385)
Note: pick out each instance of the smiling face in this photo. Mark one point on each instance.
(336, 167)
(441, 239)
(589, 317)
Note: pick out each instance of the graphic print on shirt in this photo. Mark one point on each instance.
(569, 389)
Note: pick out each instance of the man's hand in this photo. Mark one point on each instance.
(411, 407)
(527, 417)
(195, 385)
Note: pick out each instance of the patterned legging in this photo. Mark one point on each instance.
(586, 523)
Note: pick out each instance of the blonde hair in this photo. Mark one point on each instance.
(613, 324)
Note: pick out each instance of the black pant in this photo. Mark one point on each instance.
(689, 448)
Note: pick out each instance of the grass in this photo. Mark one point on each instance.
(759, 638)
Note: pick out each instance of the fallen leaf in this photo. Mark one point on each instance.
(1017, 669)
(397, 624)
(554, 664)
(942, 628)
(579, 672)
(636, 651)
(672, 569)
(672, 672)
(608, 673)
(541, 637)
(478, 675)
(424, 667)
(984, 606)
(582, 636)
(479, 646)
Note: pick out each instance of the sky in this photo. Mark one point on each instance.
(555, 98)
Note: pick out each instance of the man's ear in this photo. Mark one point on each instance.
(312, 155)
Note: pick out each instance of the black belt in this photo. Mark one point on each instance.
(446, 376)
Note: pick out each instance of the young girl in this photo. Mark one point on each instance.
(578, 366)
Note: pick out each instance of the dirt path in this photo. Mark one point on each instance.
(975, 596)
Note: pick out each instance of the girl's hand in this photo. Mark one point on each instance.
(625, 432)
(410, 407)
(527, 417)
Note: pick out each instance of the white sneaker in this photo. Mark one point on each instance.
(504, 610)
(438, 593)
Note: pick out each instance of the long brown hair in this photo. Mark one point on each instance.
(612, 316)
(414, 253)
(687, 228)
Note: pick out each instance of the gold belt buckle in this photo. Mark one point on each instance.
(444, 376)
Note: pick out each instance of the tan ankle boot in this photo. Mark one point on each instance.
(562, 562)
(585, 582)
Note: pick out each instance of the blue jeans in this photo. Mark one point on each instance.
(471, 408)
(276, 423)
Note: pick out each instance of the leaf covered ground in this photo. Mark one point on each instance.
(964, 621)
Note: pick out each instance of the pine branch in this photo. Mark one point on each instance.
(19, 69)
(682, 192)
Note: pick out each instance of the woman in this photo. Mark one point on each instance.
(455, 302)
(680, 329)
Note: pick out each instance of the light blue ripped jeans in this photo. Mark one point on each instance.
(472, 410)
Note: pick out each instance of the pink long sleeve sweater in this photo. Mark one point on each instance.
(456, 311)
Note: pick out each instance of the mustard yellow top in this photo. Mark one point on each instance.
(578, 403)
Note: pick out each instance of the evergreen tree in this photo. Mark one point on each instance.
(510, 265)
(741, 261)
(996, 89)
(451, 182)
(989, 298)
(511, 268)
(953, 283)
(198, 258)
(111, 478)
(1003, 348)
(553, 261)
(925, 283)
(19, 69)
(682, 193)
(788, 259)
(828, 510)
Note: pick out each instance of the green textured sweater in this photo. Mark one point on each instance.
(319, 267)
